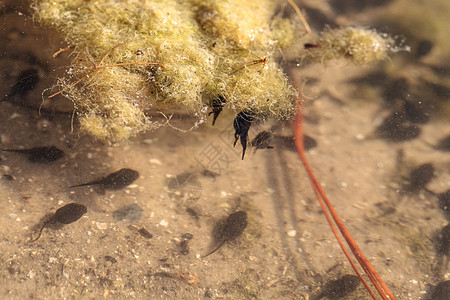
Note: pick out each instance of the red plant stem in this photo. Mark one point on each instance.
(328, 209)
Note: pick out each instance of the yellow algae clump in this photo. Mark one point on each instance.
(359, 45)
(134, 58)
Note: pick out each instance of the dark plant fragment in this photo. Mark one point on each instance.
(229, 229)
(40, 154)
(193, 213)
(114, 181)
(64, 215)
(142, 231)
(311, 46)
(209, 173)
(217, 106)
(241, 125)
(183, 245)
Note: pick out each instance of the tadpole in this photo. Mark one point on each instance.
(262, 140)
(64, 215)
(396, 128)
(288, 142)
(26, 81)
(242, 124)
(114, 181)
(420, 177)
(340, 287)
(444, 144)
(416, 112)
(40, 154)
(229, 229)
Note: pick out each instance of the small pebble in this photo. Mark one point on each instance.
(155, 161)
(360, 137)
(102, 226)
(292, 233)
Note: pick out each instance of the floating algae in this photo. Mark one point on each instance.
(134, 59)
(200, 43)
(359, 45)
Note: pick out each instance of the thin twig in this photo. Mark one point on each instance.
(327, 208)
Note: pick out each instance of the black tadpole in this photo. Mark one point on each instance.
(40, 154)
(420, 177)
(114, 181)
(262, 140)
(340, 287)
(241, 125)
(444, 144)
(227, 230)
(64, 215)
(26, 81)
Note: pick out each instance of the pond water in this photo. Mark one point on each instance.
(378, 142)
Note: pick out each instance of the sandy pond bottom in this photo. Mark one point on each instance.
(190, 181)
(287, 250)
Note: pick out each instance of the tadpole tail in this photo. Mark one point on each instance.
(430, 192)
(16, 150)
(40, 232)
(86, 184)
(215, 249)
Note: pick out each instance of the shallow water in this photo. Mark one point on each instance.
(190, 181)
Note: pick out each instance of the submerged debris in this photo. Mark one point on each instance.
(64, 215)
(130, 213)
(359, 45)
(40, 154)
(114, 181)
(184, 189)
(183, 245)
(142, 231)
(228, 230)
